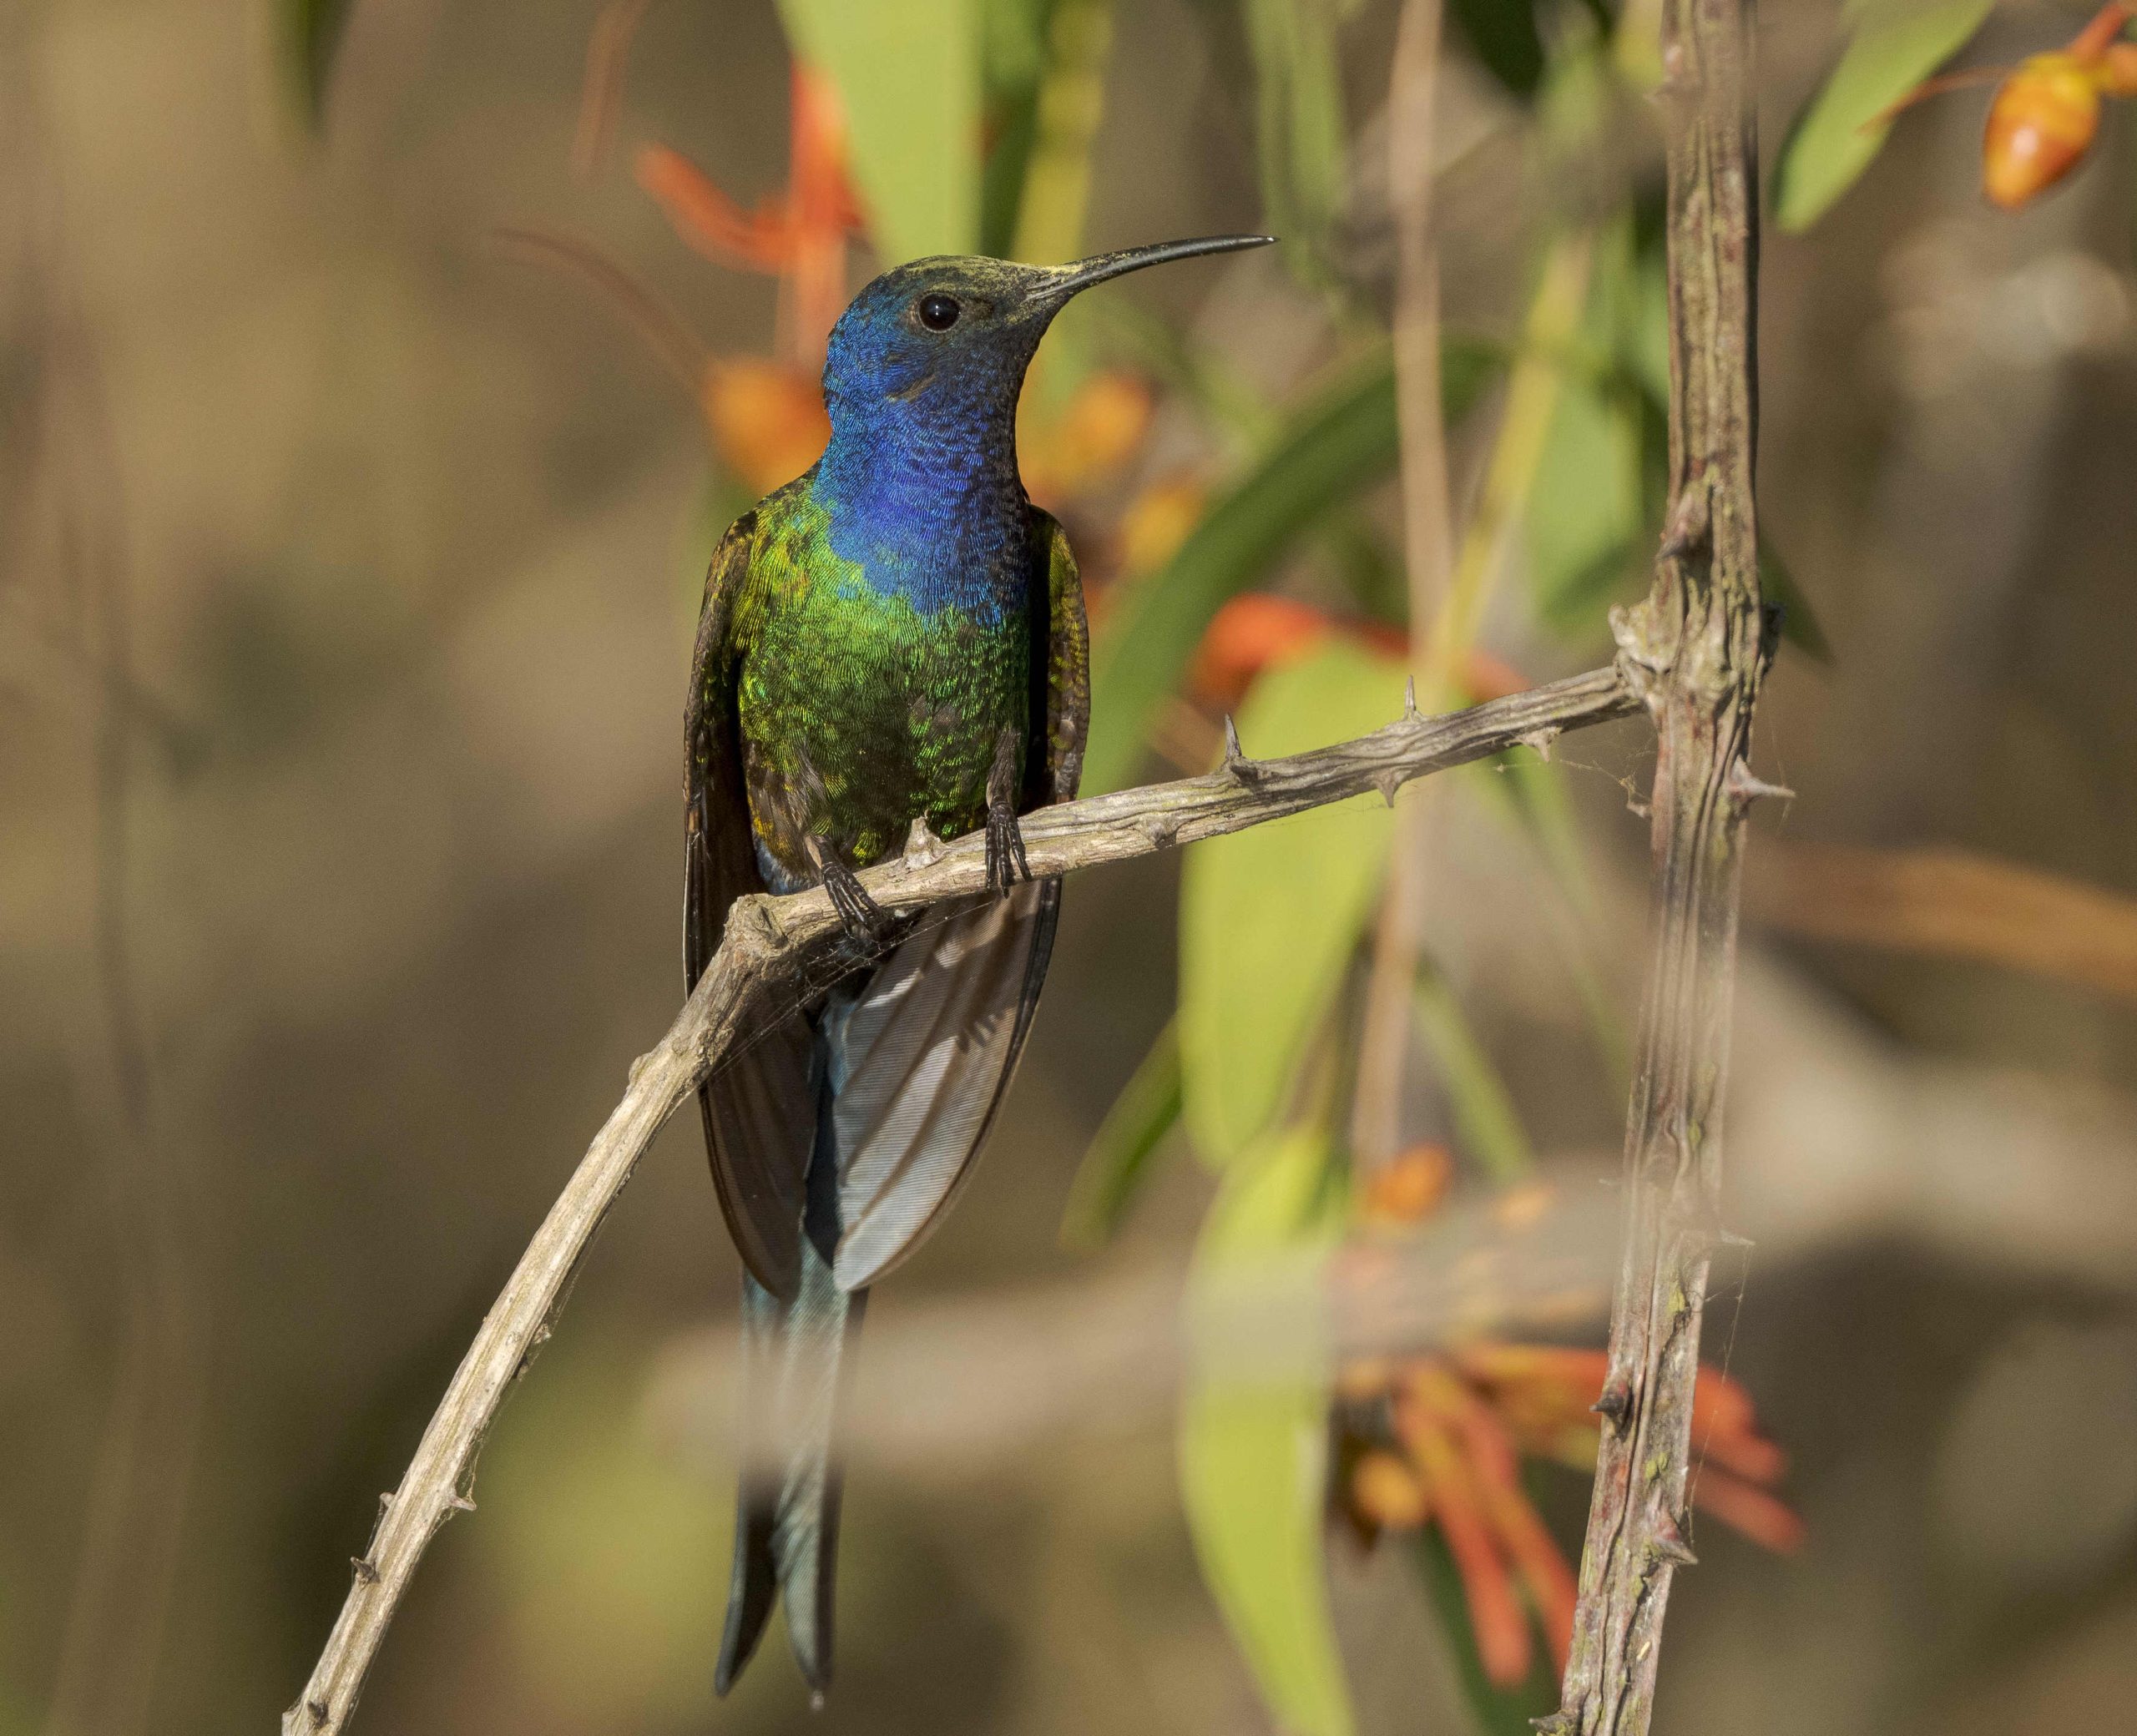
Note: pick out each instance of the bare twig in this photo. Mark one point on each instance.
(769, 943)
(1700, 645)
(1384, 1039)
(1951, 903)
(658, 324)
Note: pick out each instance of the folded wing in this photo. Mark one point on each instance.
(920, 1059)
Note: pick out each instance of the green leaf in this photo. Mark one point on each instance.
(1586, 508)
(309, 32)
(1504, 36)
(908, 76)
(1896, 44)
(1269, 918)
(1299, 126)
(1534, 790)
(1119, 1161)
(1484, 1114)
(1013, 60)
(1332, 448)
(1253, 1448)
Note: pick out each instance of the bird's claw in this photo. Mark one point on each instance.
(1006, 861)
(859, 914)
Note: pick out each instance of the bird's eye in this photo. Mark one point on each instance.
(939, 313)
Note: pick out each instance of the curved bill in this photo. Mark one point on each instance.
(1084, 273)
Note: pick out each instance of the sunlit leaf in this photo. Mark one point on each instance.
(1269, 918)
(1340, 443)
(907, 77)
(1119, 1161)
(310, 32)
(1253, 1448)
(1896, 44)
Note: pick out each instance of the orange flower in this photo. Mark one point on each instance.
(1255, 631)
(2046, 111)
(1094, 435)
(767, 420)
(1441, 1438)
(1462, 1421)
(797, 236)
(1157, 520)
(1408, 1187)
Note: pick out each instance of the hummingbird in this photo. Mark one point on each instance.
(895, 637)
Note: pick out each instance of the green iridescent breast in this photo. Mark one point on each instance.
(859, 713)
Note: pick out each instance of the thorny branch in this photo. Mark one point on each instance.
(1699, 647)
(772, 943)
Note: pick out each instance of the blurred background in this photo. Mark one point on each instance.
(373, 379)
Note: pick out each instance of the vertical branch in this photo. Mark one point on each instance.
(1698, 647)
(1384, 1042)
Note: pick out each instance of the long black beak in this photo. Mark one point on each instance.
(1071, 280)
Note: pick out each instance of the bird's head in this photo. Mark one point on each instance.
(953, 334)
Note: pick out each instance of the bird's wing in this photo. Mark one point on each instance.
(759, 1107)
(921, 1058)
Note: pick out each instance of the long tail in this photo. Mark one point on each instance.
(787, 1518)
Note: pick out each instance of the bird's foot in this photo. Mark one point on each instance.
(860, 915)
(1006, 861)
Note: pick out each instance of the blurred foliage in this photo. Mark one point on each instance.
(1269, 918)
(908, 77)
(1120, 1153)
(1502, 34)
(1498, 1711)
(1895, 44)
(1253, 1452)
(309, 34)
(1341, 441)
(602, 1562)
(1299, 129)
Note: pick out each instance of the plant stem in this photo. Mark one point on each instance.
(1700, 645)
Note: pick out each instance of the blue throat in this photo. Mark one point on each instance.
(922, 495)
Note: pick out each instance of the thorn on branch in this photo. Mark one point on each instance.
(1389, 785)
(1540, 740)
(1746, 787)
(1243, 770)
(922, 848)
(367, 1574)
(1411, 714)
(1668, 1542)
(1161, 829)
(459, 1503)
(318, 1711)
(1615, 1405)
